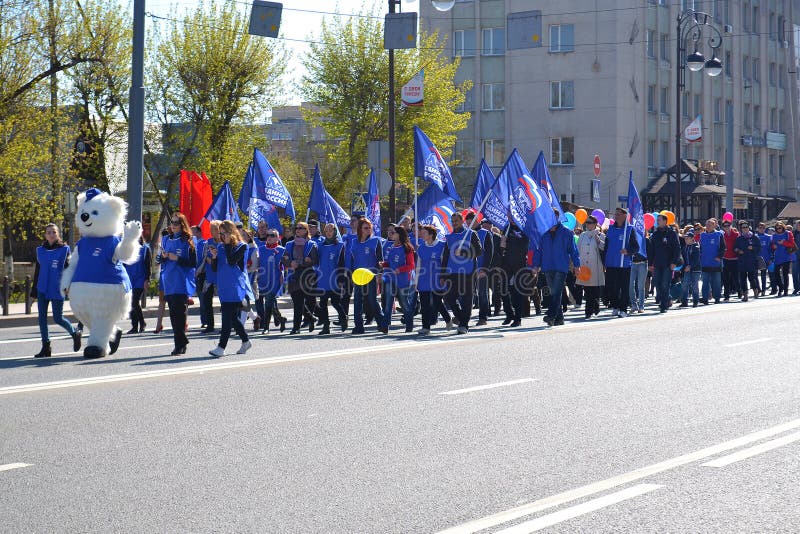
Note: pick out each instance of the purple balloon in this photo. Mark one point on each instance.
(599, 215)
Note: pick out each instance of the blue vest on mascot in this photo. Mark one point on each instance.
(96, 262)
(51, 265)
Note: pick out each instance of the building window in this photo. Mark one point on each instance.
(494, 152)
(651, 44)
(469, 101)
(746, 164)
(664, 154)
(772, 74)
(782, 121)
(562, 38)
(664, 101)
(651, 99)
(562, 151)
(747, 121)
(756, 164)
(772, 27)
(494, 98)
(771, 164)
(651, 154)
(781, 77)
(464, 43)
(757, 117)
(728, 68)
(755, 21)
(464, 154)
(718, 11)
(746, 16)
(698, 105)
(756, 70)
(562, 95)
(684, 104)
(780, 33)
(664, 47)
(717, 110)
(494, 41)
(780, 165)
(746, 67)
(773, 119)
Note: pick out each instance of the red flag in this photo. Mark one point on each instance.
(185, 205)
(202, 196)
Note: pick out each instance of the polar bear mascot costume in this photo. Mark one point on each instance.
(96, 281)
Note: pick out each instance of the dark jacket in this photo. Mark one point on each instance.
(748, 249)
(691, 257)
(515, 253)
(665, 247)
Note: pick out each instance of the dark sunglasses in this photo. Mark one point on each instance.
(175, 222)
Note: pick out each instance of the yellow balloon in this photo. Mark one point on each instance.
(580, 215)
(362, 276)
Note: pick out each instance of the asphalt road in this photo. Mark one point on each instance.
(599, 426)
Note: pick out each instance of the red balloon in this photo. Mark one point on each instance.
(649, 221)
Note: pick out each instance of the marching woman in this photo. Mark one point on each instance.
(270, 279)
(52, 257)
(748, 247)
(162, 304)
(330, 278)
(139, 273)
(591, 244)
(210, 283)
(178, 260)
(400, 262)
(229, 261)
(781, 246)
(429, 283)
(300, 257)
(366, 253)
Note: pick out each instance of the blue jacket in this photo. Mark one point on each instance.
(555, 251)
(766, 247)
(779, 243)
(691, 257)
(748, 258)
(712, 246)
(666, 248)
(615, 243)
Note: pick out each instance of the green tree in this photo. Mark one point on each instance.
(348, 77)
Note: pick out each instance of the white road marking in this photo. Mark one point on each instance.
(615, 481)
(9, 467)
(14, 358)
(31, 339)
(751, 342)
(580, 509)
(488, 386)
(753, 451)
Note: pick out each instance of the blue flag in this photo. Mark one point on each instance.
(223, 207)
(373, 201)
(430, 166)
(493, 209)
(527, 202)
(267, 185)
(542, 177)
(246, 193)
(325, 206)
(435, 207)
(263, 210)
(637, 214)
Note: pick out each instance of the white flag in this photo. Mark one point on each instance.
(694, 132)
(412, 93)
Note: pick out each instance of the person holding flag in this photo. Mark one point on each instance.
(638, 273)
(459, 261)
(621, 245)
(554, 252)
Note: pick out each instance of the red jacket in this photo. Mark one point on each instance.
(730, 242)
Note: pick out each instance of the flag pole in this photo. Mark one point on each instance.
(416, 230)
(625, 230)
(480, 208)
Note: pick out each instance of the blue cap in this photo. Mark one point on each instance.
(91, 193)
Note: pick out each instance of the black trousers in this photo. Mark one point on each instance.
(207, 302)
(730, 277)
(782, 276)
(591, 294)
(137, 316)
(230, 320)
(459, 297)
(177, 318)
(512, 298)
(618, 280)
(301, 301)
(431, 304)
(743, 277)
(336, 301)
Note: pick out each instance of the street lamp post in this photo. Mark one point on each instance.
(439, 5)
(690, 30)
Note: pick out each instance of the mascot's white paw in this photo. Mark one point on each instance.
(132, 231)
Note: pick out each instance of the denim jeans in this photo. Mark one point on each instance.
(405, 296)
(712, 283)
(367, 292)
(636, 287)
(555, 281)
(58, 307)
(796, 275)
(662, 277)
(690, 283)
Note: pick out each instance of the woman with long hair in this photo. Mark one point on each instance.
(52, 257)
(229, 261)
(400, 262)
(300, 258)
(781, 245)
(178, 261)
(270, 279)
(162, 303)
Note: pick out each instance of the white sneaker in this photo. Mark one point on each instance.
(622, 314)
(217, 352)
(461, 330)
(244, 348)
(424, 331)
(449, 325)
(614, 312)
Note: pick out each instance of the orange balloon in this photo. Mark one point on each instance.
(584, 273)
(580, 215)
(670, 217)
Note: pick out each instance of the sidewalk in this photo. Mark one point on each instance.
(17, 317)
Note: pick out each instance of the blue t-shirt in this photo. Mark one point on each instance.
(96, 262)
(51, 266)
